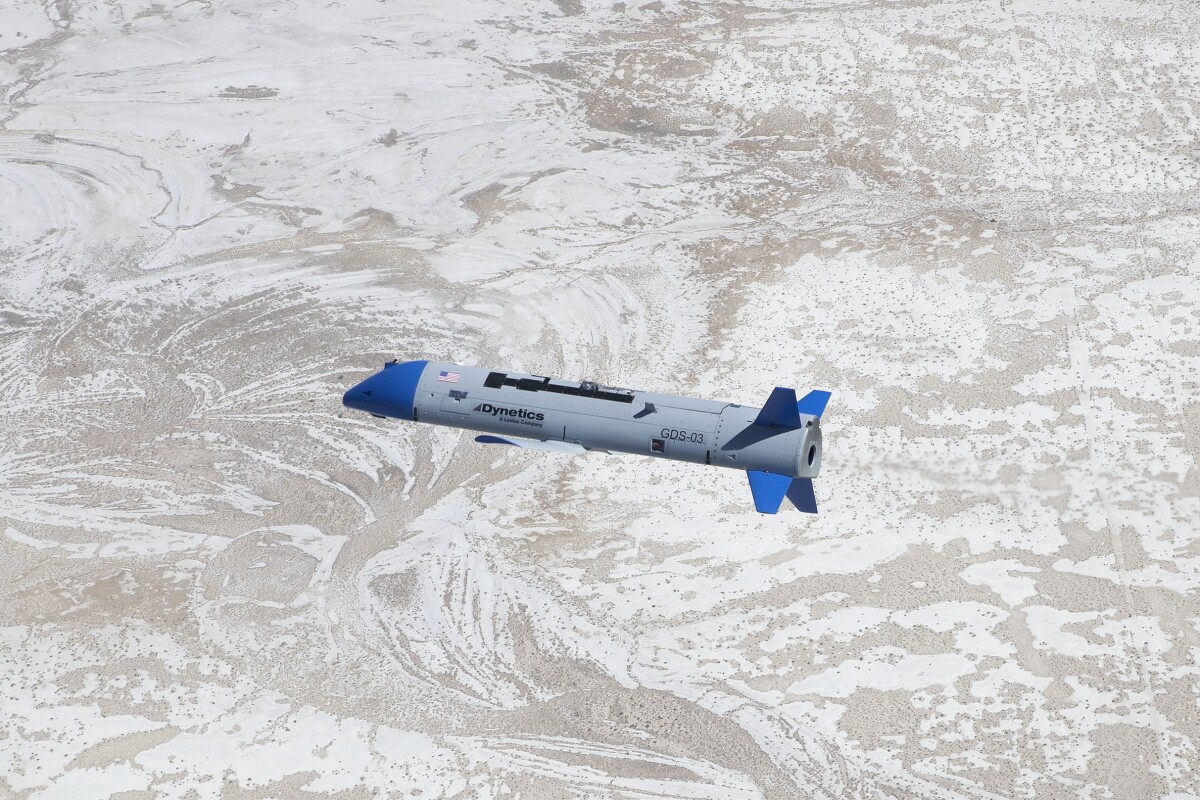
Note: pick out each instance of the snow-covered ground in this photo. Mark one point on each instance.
(976, 223)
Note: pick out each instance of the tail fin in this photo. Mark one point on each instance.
(802, 496)
(769, 490)
(780, 410)
(783, 410)
(814, 402)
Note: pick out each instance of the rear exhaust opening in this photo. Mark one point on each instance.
(808, 459)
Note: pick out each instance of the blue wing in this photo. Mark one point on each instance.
(550, 446)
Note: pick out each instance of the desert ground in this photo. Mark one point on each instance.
(976, 223)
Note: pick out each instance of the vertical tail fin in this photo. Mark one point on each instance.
(769, 490)
(814, 402)
(802, 496)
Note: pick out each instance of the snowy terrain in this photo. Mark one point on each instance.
(977, 224)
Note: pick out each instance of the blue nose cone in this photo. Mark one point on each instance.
(388, 393)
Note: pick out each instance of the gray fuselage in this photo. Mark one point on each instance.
(614, 420)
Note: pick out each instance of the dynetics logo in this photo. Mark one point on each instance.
(500, 411)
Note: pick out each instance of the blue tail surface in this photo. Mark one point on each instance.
(802, 496)
(780, 410)
(814, 402)
(769, 490)
(783, 410)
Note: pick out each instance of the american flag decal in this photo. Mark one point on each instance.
(448, 377)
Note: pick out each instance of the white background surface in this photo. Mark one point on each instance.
(976, 224)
